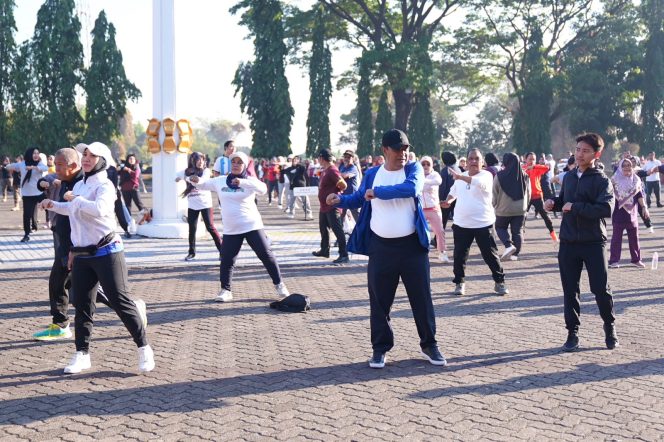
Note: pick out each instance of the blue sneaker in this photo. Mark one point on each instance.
(53, 332)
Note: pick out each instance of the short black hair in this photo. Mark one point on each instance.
(227, 143)
(491, 159)
(592, 139)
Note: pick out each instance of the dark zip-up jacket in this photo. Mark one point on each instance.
(592, 201)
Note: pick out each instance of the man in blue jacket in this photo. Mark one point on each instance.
(392, 231)
(586, 199)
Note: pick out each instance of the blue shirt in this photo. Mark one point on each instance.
(351, 183)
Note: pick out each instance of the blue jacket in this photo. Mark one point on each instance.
(411, 188)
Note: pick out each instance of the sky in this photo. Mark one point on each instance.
(209, 47)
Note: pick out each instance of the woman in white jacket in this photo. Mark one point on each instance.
(237, 193)
(97, 257)
(31, 170)
(431, 205)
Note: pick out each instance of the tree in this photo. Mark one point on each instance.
(262, 85)
(364, 116)
(58, 67)
(393, 33)
(7, 55)
(421, 131)
(106, 85)
(652, 112)
(23, 130)
(320, 87)
(491, 131)
(384, 121)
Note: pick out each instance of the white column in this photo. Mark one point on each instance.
(167, 205)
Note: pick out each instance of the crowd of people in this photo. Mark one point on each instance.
(400, 207)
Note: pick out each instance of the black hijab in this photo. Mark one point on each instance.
(512, 178)
(192, 170)
(101, 165)
(27, 158)
(231, 177)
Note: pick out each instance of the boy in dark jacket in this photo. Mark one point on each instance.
(586, 199)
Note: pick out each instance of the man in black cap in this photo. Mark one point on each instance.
(392, 231)
(329, 217)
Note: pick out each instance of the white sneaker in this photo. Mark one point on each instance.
(443, 257)
(514, 258)
(80, 362)
(507, 253)
(281, 289)
(460, 289)
(651, 229)
(291, 215)
(224, 296)
(142, 311)
(145, 359)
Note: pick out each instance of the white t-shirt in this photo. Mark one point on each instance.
(222, 165)
(394, 218)
(648, 166)
(238, 208)
(552, 169)
(474, 201)
(198, 199)
(30, 186)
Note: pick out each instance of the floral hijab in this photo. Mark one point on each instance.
(625, 187)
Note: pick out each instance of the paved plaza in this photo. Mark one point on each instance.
(241, 371)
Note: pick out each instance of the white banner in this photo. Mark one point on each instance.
(303, 191)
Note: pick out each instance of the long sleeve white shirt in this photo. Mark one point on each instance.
(238, 207)
(198, 199)
(30, 186)
(430, 198)
(91, 214)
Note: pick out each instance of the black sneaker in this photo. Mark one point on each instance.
(26, 238)
(341, 260)
(189, 257)
(321, 254)
(610, 336)
(572, 343)
(377, 360)
(434, 356)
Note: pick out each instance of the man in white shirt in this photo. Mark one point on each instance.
(474, 217)
(223, 164)
(652, 180)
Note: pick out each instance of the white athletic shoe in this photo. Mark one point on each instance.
(651, 229)
(281, 289)
(514, 258)
(142, 311)
(443, 257)
(80, 362)
(145, 359)
(507, 253)
(224, 296)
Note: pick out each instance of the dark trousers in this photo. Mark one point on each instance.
(208, 220)
(272, 186)
(259, 243)
(132, 195)
(448, 214)
(119, 213)
(538, 204)
(463, 239)
(390, 259)
(331, 220)
(30, 213)
(355, 213)
(571, 258)
(111, 272)
(515, 224)
(652, 186)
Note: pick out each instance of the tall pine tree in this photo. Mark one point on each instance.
(58, 67)
(384, 121)
(7, 55)
(320, 87)
(23, 131)
(106, 85)
(652, 111)
(263, 84)
(421, 131)
(364, 116)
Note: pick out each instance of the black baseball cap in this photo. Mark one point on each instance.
(325, 154)
(395, 139)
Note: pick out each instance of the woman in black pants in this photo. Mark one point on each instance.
(237, 193)
(199, 201)
(97, 257)
(31, 170)
(130, 176)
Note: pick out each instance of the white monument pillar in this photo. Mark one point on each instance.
(167, 205)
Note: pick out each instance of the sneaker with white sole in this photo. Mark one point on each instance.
(224, 296)
(145, 359)
(514, 258)
(460, 289)
(651, 229)
(142, 311)
(501, 289)
(377, 360)
(614, 265)
(433, 355)
(80, 362)
(511, 250)
(443, 257)
(281, 289)
(52, 333)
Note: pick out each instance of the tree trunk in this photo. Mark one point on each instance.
(403, 103)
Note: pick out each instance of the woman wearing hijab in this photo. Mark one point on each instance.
(130, 176)
(237, 192)
(511, 194)
(97, 257)
(431, 205)
(199, 202)
(629, 194)
(31, 169)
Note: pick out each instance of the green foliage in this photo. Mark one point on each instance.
(421, 131)
(7, 55)
(320, 87)
(23, 131)
(58, 68)
(106, 84)
(652, 112)
(384, 121)
(364, 116)
(262, 85)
